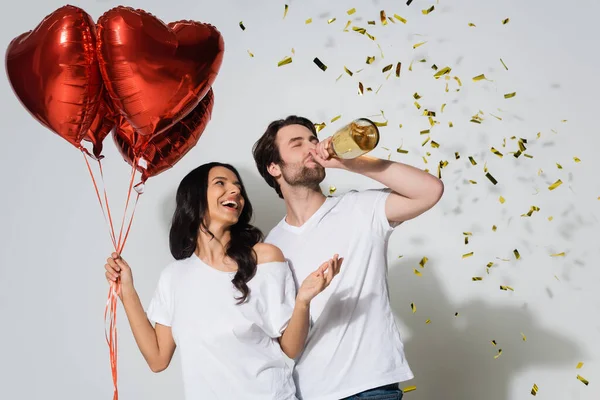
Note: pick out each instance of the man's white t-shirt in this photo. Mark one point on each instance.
(354, 343)
(228, 351)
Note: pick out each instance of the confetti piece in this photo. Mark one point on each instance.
(399, 18)
(577, 160)
(510, 95)
(242, 25)
(583, 380)
(359, 30)
(371, 36)
(496, 152)
(398, 66)
(336, 118)
(477, 278)
(534, 389)
(419, 44)
(427, 321)
(498, 118)
(516, 253)
(550, 218)
(331, 20)
(472, 24)
(442, 72)
(308, 21)
(531, 211)
(450, 124)
(401, 151)
(424, 132)
(410, 66)
(499, 354)
(423, 262)
(505, 67)
(332, 189)
(494, 342)
(347, 25)
(416, 96)
(370, 60)
(558, 254)
(555, 185)
(523, 337)
(417, 105)
(413, 307)
(429, 10)
(467, 255)
(480, 78)
(443, 106)
(383, 17)
(348, 71)
(285, 61)
(285, 10)
(456, 314)
(494, 228)
(457, 79)
(351, 11)
(360, 88)
(320, 126)
(579, 365)
(417, 272)
(559, 166)
(434, 144)
(409, 388)
(506, 288)
(505, 21)
(502, 200)
(387, 68)
(250, 53)
(491, 178)
(320, 64)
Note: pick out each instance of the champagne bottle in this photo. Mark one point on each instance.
(355, 139)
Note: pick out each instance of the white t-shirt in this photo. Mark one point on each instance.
(354, 343)
(228, 351)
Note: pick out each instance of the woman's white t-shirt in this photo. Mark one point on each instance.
(228, 351)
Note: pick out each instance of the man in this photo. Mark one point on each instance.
(354, 346)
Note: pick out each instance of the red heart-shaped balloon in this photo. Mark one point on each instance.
(156, 73)
(167, 148)
(54, 72)
(102, 124)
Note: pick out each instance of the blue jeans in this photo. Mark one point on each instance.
(387, 392)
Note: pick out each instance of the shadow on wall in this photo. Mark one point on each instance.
(453, 357)
(269, 209)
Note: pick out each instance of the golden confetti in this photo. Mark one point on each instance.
(380, 123)
(360, 88)
(371, 36)
(505, 67)
(472, 24)
(442, 72)
(534, 389)
(456, 314)
(370, 60)
(380, 50)
(516, 253)
(359, 30)
(457, 79)
(502, 200)
(419, 44)
(319, 64)
(505, 21)
(559, 166)
(506, 288)
(417, 272)
(443, 106)
(494, 228)
(427, 321)
(399, 18)
(424, 132)
(429, 10)
(417, 105)
(510, 95)
(332, 189)
(348, 71)
(351, 11)
(398, 69)
(523, 337)
(410, 66)
(577, 160)
(476, 278)
(371, 22)
(499, 354)
(423, 262)
(531, 211)
(491, 178)
(308, 21)
(425, 142)
(579, 365)
(408, 2)
(583, 380)
(413, 307)
(336, 118)
(400, 126)
(494, 342)
(285, 61)
(450, 124)
(496, 117)
(409, 389)
(285, 10)
(434, 144)
(320, 126)
(480, 78)
(250, 53)
(242, 25)
(387, 68)
(346, 27)
(383, 17)
(467, 255)
(496, 152)
(416, 96)
(555, 185)
(558, 254)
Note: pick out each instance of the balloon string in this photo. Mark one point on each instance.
(134, 163)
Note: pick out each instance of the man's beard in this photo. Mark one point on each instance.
(303, 176)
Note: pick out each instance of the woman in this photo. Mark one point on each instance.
(228, 301)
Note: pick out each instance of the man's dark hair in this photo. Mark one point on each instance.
(265, 150)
